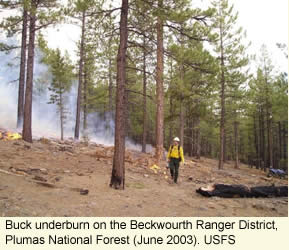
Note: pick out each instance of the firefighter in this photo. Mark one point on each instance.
(174, 157)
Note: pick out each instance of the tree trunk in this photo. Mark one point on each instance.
(160, 90)
(61, 114)
(182, 122)
(270, 140)
(118, 169)
(280, 140)
(285, 136)
(85, 83)
(256, 140)
(80, 77)
(20, 110)
(229, 156)
(236, 144)
(171, 108)
(144, 134)
(193, 149)
(275, 145)
(262, 140)
(222, 122)
(190, 137)
(110, 80)
(171, 122)
(225, 145)
(198, 137)
(182, 108)
(27, 130)
(269, 132)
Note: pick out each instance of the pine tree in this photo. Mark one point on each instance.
(118, 169)
(159, 86)
(61, 69)
(11, 26)
(45, 19)
(83, 11)
(231, 59)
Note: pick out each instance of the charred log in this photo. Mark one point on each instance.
(241, 191)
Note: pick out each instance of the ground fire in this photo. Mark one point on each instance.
(8, 135)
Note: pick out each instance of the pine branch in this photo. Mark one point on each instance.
(139, 93)
(181, 31)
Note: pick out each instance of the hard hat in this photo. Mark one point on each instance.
(176, 139)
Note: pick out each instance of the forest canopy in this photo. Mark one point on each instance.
(146, 71)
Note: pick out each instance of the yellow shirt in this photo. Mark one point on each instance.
(174, 153)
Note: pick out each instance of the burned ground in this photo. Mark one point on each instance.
(53, 178)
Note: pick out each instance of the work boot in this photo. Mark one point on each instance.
(175, 178)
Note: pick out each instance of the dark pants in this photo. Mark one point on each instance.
(174, 168)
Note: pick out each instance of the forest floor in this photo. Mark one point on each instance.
(50, 178)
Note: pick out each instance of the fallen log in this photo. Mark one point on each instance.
(82, 191)
(39, 178)
(242, 191)
(9, 173)
(269, 191)
(43, 182)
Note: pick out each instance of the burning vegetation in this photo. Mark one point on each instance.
(9, 135)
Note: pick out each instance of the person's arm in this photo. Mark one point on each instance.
(182, 155)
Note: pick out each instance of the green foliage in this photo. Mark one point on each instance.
(61, 70)
(192, 70)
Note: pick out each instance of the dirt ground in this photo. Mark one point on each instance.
(49, 178)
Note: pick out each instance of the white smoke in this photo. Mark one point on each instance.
(45, 117)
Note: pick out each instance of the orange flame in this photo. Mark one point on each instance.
(8, 136)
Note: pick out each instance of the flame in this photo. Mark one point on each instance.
(9, 136)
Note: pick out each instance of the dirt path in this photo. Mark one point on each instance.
(71, 167)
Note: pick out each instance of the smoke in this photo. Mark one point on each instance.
(9, 73)
(45, 117)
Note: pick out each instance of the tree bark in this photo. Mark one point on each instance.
(85, 83)
(222, 122)
(190, 131)
(225, 144)
(182, 122)
(20, 110)
(182, 108)
(80, 77)
(270, 140)
(230, 155)
(269, 121)
(110, 81)
(222, 96)
(198, 138)
(262, 140)
(144, 134)
(171, 105)
(61, 114)
(27, 130)
(256, 140)
(160, 89)
(236, 125)
(194, 139)
(193, 136)
(285, 136)
(118, 169)
(171, 122)
(280, 141)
